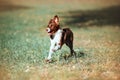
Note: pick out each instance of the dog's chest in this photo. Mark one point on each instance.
(57, 36)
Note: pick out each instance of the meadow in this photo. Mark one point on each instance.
(24, 43)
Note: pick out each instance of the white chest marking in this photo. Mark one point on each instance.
(55, 43)
(57, 37)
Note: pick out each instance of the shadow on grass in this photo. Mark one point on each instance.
(4, 8)
(78, 55)
(105, 16)
(67, 58)
(7, 5)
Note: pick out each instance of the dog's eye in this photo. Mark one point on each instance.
(50, 25)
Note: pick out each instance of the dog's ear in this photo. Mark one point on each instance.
(56, 19)
(50, 21)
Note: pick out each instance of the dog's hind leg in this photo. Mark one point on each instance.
(70, 45)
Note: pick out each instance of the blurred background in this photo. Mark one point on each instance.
(24, 43)
(12, 4)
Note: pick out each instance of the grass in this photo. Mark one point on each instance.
(24, 43)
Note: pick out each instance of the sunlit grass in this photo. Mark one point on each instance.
(24, 45)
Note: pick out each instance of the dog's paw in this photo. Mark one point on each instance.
(48, 60)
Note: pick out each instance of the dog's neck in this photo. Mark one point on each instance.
(51, 36)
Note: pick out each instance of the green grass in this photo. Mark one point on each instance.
(24, 44)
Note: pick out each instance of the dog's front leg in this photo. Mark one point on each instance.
(58, 43)
(51, 50)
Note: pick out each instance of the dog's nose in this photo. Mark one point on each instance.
(48, 29)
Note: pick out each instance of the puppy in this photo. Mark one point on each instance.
(58, 37)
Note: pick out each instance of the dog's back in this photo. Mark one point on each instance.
(67, 35)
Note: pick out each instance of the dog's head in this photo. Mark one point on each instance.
(53, 25)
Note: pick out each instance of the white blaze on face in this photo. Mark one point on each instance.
(48, 30)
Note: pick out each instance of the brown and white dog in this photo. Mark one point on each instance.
(58, 37)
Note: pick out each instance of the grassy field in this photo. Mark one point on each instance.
(24, 43)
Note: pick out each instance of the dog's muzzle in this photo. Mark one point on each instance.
(48, 30)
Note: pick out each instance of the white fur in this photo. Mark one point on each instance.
(55, 43)
(48, 30)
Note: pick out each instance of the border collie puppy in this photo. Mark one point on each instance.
(58, 37)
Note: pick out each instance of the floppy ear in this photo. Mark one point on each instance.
(56, 19)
